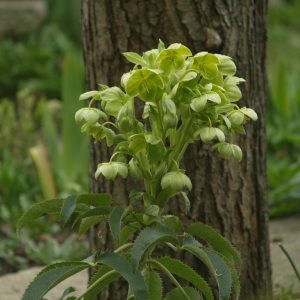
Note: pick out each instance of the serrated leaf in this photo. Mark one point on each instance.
(126, 270)
(51, 276)
(147, 238)
(115, 220)
(214, 239)
(212, 266)
(89, 222)
(176, 294)
(68, 208)
(184, 271)
(97, 200)
(154, 285)
(223, 274)
(100, 280)
(38, 210)
(66, 292)
(125, 233)
(92, 212)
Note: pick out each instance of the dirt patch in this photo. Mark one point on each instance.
(286, 232)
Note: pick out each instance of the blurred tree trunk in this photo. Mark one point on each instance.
(228, 195)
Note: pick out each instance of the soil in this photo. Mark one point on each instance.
(286, 232)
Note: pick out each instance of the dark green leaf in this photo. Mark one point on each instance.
(154, 285)
(182, 270)
(89, 222)
(102, 278)
(68, 208)
(115, 220)
(147, 238)
(214, 239)
(38, 210)
(51, 276)
(223, 274)
(96, 200)
(176, 294)
(126, 270)
(93, 212)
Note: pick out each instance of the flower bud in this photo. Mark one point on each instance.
(236, 118)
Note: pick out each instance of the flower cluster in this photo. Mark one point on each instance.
(184, 98)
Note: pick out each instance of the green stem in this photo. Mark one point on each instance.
(160, 113)
(180, 145)
(170, 275)
(123, 247)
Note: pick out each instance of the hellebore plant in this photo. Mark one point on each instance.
(182, 99)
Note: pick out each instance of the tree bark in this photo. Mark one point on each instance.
(228, 195)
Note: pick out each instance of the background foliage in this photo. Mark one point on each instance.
(41, 76)
(283, 111)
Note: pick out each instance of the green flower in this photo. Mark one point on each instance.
(110, 170)
(176, 180)
(227, 150)
(89, 115)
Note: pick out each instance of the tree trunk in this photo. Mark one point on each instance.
(230, 196)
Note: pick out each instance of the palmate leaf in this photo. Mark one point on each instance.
(51, 276)
(184, 271)
(176, 294)
(154, 285)
(214, 239)
(148, 238)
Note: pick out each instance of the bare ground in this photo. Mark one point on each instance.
(286, 232)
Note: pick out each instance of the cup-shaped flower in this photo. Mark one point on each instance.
(227, 150)
(89, 115)
(176, 180)
(207, 134)
(110, 170)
